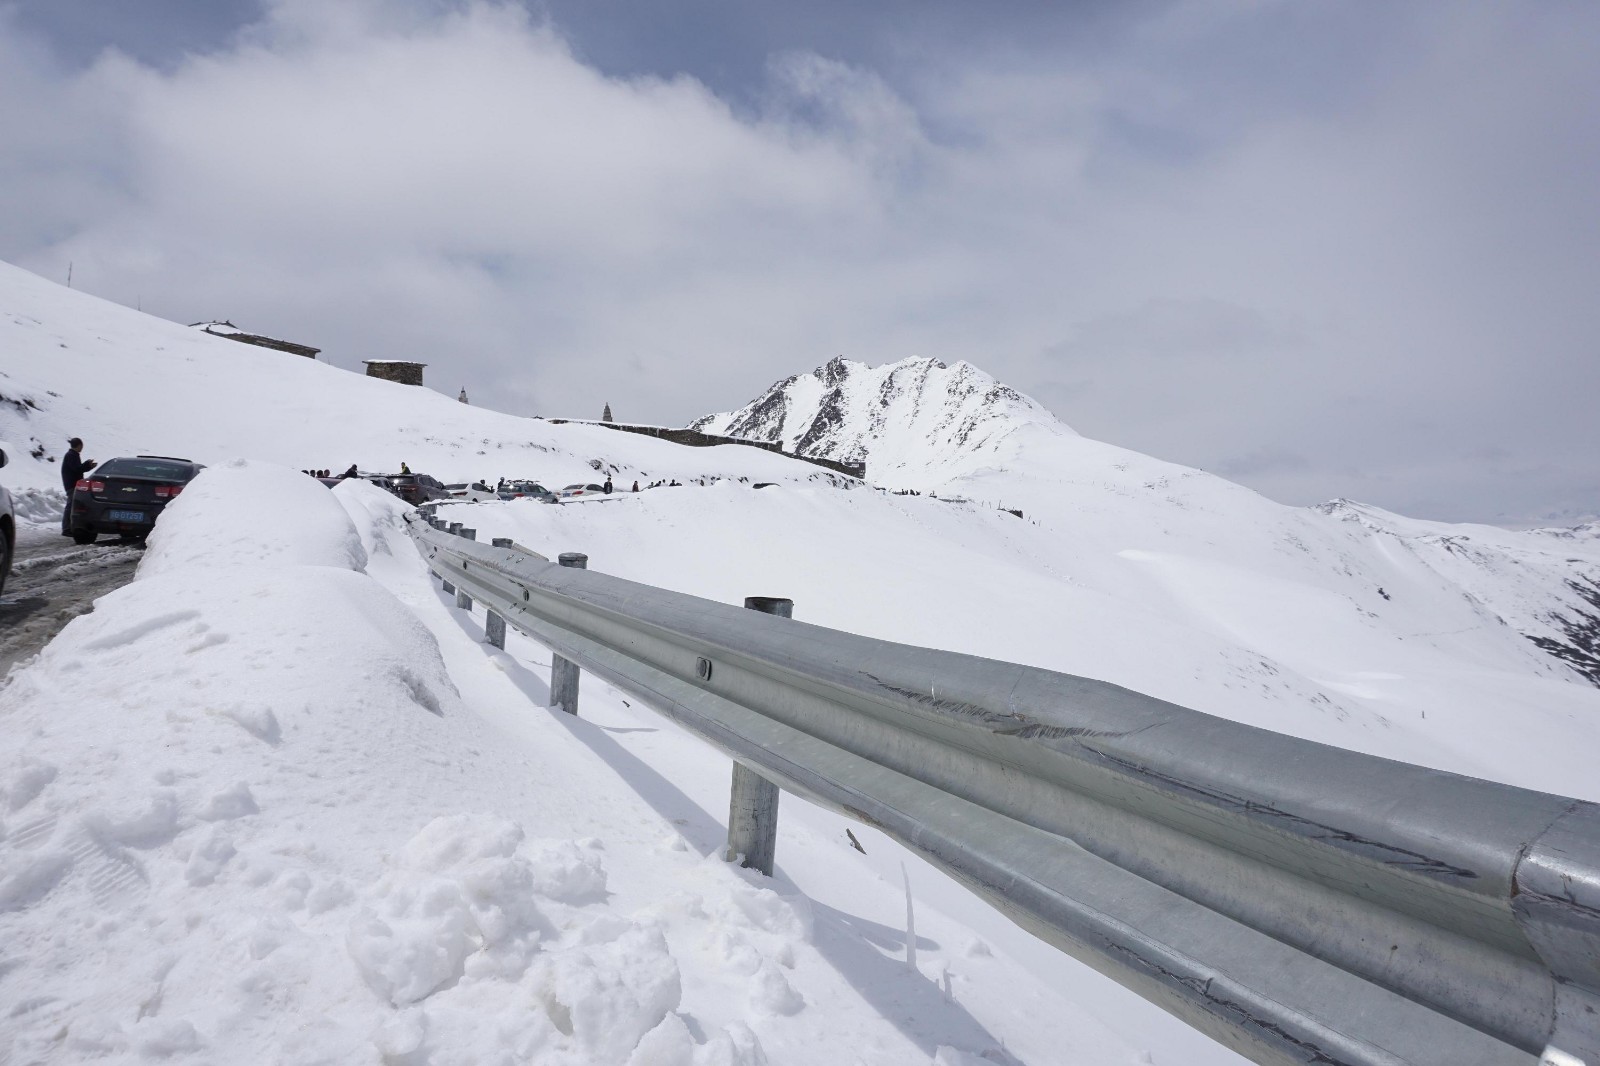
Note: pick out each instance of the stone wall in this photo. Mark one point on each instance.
(394, 370)
(693, 438)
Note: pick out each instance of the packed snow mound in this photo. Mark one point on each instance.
(240, 506)
(72, 365)
(901, 420)
(271, 836)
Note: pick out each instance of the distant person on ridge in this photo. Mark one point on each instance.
(608, 486)
(350, 473)
(73, 467)
(404, 469)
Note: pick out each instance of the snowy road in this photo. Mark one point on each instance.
(52, 582)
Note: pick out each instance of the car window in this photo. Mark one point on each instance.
(152, 468)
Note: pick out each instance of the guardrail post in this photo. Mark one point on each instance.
(464, 601)
(564, 674)
(753, 800)
(494, 629)
(494, 626)
(444, 582)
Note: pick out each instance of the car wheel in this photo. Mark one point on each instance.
(83, 536)
(5, 557)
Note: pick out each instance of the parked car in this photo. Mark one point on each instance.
(582, 490)
(474, 492)
(8, 529)
(515, 490)
(126, 495)
(416, 488)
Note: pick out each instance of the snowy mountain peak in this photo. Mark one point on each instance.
(916, 414)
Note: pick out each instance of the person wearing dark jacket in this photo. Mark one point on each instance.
(73, 467)
(350, 473)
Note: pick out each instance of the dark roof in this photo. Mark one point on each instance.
(234, 333)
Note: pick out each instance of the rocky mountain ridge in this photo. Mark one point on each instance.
(899, 419)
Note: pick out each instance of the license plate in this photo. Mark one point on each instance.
(125, 516)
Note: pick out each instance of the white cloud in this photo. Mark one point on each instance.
(1263, 231)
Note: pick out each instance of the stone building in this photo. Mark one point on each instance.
(605, 416)
(398, 370)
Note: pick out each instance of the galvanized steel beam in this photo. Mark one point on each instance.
(1298, 902)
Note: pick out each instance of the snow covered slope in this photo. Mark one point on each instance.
(128, 383)
(1237, 563)
(903, 420)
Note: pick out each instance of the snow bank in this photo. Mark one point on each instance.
(252, 514)
(244, 818)
(38, 506)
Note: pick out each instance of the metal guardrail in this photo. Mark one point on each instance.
(1297, 902)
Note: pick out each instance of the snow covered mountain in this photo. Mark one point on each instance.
(957, 432)
(903, 420)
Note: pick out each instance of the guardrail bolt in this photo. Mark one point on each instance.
(753, 800)
(564, 674)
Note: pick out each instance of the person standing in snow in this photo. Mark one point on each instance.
(608, 486)
(73, 467)
(635, 486)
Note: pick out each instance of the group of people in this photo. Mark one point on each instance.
(328, 473)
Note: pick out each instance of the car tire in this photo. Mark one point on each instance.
(83, 536)
(5, 557)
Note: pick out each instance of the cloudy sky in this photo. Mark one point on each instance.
(1321, 248)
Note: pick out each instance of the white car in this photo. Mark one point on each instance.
(8, 529)
(582, 490)
(474, 492)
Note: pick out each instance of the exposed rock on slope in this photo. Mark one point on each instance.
(901, 419)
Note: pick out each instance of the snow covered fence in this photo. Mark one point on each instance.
(1298, 902)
